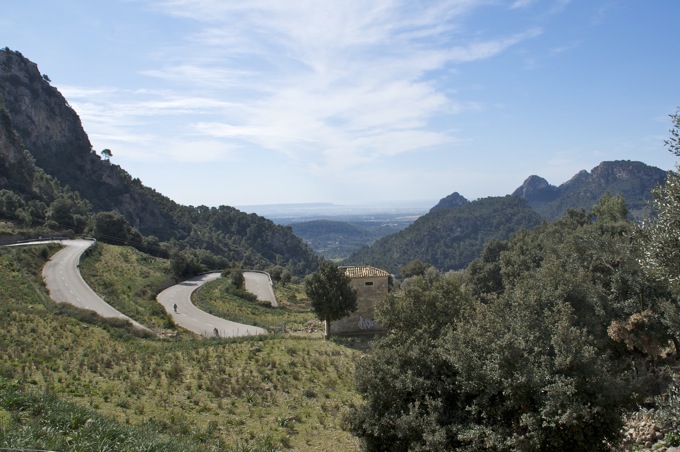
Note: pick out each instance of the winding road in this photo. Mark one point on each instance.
(260, 284)
(66, 285)
(200, 322)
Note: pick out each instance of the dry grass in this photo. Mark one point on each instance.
(264, 393)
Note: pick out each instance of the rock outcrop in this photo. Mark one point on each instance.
(40, 118)
(632, 180)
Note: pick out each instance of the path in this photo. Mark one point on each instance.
(260, 284)
(66, 285)
(190, 317)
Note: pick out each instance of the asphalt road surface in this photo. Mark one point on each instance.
(260, 284)
(190, 317)
(66, 285)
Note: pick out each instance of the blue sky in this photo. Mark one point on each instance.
(358, 101)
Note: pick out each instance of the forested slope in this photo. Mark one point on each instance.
(41, 135)
(543, 343)
(450, 238)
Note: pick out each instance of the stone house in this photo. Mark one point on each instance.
(371, 285)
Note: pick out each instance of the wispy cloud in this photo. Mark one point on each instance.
(330, 84)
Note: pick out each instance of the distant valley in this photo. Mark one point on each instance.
(336, 231)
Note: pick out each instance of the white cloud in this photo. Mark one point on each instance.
(332, 84)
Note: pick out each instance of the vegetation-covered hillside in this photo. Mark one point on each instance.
(450, 238)
(544, 343)
(632, 180)
(70, 380)
(41, 135)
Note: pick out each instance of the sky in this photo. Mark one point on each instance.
(226, 102)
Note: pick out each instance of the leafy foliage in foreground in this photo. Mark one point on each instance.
(662, 234)
(541, 345)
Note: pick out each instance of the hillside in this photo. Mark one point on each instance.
(39, 132)
(453, 233)
(450, 238)
(70, 380)
(632, 180)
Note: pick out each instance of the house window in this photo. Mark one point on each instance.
(368, 283)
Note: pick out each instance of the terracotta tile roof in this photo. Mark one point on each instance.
(363, 271)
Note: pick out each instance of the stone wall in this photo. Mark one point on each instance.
(369, 291)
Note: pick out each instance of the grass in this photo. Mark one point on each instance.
(129, 281)
(66, 384)
(218, 298)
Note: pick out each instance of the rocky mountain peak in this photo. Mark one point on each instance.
(633, 180)
(451, 201)
(536, 188)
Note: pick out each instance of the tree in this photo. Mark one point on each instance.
(610, 208)
(61, 213)
(235, 276)
(330, 294)
(408, 389)
(414, 268)
(107, 154)
(111, 227)
(484, 273)
(529, 365)
(662, 236)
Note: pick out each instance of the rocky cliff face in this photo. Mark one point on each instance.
(41, 133)
(633, 180)
(537, 189)
(16, 168)
(39, 117)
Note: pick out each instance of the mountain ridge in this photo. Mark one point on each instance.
(46, 155)
(451, 235)
(631, 179)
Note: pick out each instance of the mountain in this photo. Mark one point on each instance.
(450, 202)
(42, 142)
(455, 230)
(632, 180)
(537, 191)
(450, 238)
